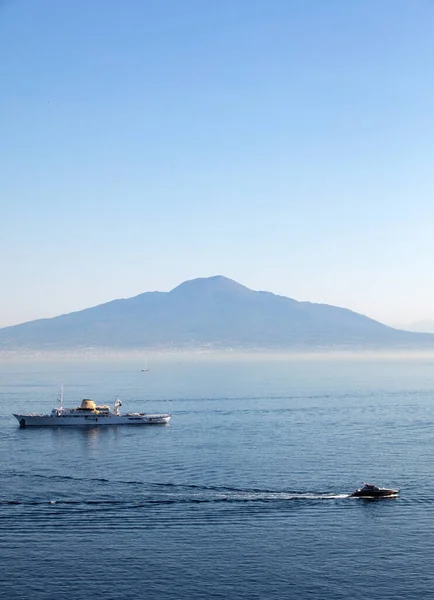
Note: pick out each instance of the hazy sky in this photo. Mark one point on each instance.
(287, 144)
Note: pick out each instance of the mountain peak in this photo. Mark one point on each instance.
(216, 283)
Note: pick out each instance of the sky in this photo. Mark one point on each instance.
(286, 144)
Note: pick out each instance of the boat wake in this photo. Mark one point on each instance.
(162, 501)
(64, 490)
(176, 499)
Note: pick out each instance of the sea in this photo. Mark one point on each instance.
(244, 495)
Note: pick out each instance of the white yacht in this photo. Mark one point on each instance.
(88, 413)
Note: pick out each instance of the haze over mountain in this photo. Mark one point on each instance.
(426, 326)
(214, 312)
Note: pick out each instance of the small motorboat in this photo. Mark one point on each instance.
(372, 491)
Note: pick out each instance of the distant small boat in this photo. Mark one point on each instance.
(372, 491)
(146, 367)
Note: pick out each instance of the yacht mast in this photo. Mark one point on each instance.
(60, 397)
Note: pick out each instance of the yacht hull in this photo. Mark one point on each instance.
(68, 420)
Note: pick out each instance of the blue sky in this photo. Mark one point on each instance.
(287, 144)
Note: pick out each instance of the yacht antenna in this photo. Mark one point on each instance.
(60, 396)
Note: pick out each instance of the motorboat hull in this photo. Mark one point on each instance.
(68, 420)
(381, 493)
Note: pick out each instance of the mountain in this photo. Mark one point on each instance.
(213, 312)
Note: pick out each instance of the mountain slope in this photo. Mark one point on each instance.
(213, 311)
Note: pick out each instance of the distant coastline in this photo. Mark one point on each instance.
(108, 354)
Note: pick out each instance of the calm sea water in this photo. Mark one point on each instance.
(242, 496)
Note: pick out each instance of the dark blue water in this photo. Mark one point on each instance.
(242, 496)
